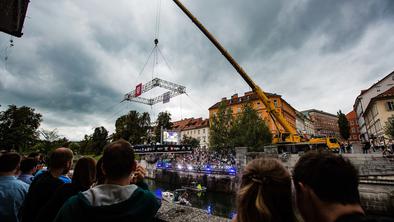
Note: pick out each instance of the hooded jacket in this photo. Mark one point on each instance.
(110, 202)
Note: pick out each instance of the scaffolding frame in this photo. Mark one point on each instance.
(173, 90)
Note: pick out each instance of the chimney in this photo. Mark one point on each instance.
(224, 98)
(234, 96)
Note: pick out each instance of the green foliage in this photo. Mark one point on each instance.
(163, 121)
(133, 127)
(221, 127)
(75, 147)
(92, 144)
(343, 123)
(18, 127)
(247, 129)
(99, 139)
(188, 140)
(250, 130)
(46, 146)
(389, 127)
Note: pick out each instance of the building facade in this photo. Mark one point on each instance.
(236, 103)
(195, 128)
(377, 113)
(354, 128)
(363, 100)
(324, 124)
(304, 125)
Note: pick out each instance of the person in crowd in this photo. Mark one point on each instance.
(28, 167)
(264, 193)
(83, 177)
(367, 147)
(12, 191)
(100, 178)
(327, 188)
(117, 199)
(44, 185)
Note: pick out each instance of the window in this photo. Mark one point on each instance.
(239, 99)
(390, 106)
(198, 131)
(239, 109)
(353, 130)
(203, 130)
(275, 103)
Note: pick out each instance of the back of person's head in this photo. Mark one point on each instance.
(9, 162)
(118, 160)
(60, 158)
(100, 178)
(35, 155)
(28, 164)
(265, 192)
(331, 177)
(84, 172)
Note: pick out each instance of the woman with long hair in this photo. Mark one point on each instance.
(265, 193)
(84, 176)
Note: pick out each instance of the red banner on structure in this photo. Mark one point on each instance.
(138, 90)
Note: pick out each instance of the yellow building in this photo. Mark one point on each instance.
(237, 102)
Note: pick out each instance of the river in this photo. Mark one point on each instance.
(219, 204)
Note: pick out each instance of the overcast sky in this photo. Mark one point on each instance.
(77, 59)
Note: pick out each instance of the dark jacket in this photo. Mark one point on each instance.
(358, 217)
(62, 194)
(110, 203)
(41, 190)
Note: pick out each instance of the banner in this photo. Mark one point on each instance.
(138, 90)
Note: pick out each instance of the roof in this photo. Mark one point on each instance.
(306, 112)
(351, 115)
(249, 96)
(190, 123)
(365, 90)
(388, 94)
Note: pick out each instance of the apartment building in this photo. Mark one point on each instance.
(195, 128)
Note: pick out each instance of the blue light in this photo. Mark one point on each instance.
(159, 165)
(232, 170)
(158, 193)
(209, 209)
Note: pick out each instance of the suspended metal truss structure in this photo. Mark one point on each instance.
(174, 90)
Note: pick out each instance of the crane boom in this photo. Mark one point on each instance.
(260, 93)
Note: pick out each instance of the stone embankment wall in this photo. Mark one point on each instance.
(169, 212)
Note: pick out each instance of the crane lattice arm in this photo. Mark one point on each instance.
(260, 93)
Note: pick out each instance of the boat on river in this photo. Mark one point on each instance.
(176, 197)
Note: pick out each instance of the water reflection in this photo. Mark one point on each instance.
(219, 204)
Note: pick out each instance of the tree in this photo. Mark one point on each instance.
(220, 128)
(132, 127)
(389, 127)
(249, 129)
(188, 140)
(163, 122)
(99, 139)
(343, 123)
(18, 127)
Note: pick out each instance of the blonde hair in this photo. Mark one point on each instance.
(265, 192)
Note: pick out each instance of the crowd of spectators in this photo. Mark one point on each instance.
(197, 160)
(112, 189)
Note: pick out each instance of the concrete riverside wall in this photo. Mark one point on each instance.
(176, 213)
(378, 200)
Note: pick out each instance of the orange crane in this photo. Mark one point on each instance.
(285, 140)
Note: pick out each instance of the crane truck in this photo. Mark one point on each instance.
(287, 140)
